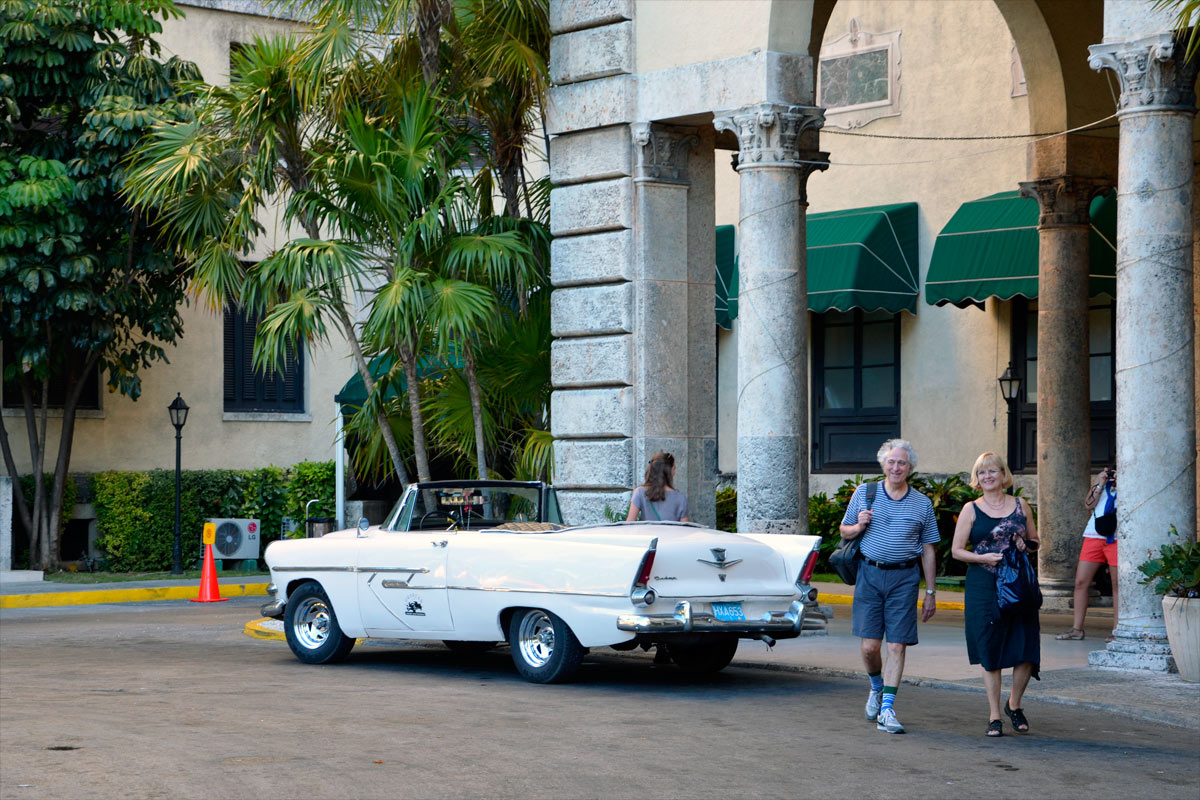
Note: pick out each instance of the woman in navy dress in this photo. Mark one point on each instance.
(997, 640)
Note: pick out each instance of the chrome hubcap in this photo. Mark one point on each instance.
(536, 638)
(311, 627)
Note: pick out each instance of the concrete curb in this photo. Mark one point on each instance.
(139, 595)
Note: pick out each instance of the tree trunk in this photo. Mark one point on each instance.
(10, 464)
(420, 451)
(431, 15)
(364, 371)
(476, 410)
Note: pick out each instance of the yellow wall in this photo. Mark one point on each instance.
(675, 33)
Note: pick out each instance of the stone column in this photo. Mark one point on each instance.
(1155, 400)
(1063, 402)
(588, 112)
(776, 154)
(661, 320)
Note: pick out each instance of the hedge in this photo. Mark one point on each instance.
(135, 511)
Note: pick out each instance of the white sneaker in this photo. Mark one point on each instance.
(887, 722)
(872, 709)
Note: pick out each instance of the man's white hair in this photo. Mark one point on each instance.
(892, 444)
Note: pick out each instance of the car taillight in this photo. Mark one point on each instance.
(647, 565)
(809, 566)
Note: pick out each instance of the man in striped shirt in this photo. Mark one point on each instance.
(898, 533)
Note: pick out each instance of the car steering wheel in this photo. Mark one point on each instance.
(437, 512)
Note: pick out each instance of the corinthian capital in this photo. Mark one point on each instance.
(1152, 77)
(769, 134)
(1064, 201)
(662, 152)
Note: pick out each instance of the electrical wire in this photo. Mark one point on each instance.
(963, 155)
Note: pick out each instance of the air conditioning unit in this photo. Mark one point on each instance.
(236, 538)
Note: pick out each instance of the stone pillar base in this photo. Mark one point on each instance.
(1144, 655)
(1056, 602)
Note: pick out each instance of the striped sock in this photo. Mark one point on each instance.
(889, 698)
(876, 681)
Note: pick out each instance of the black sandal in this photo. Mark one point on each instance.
(1017, 715)
(995, 728)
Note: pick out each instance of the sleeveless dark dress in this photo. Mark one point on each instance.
(997, 640)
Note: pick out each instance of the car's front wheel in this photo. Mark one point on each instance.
(704, 657)
(311, 627)
(543, 646)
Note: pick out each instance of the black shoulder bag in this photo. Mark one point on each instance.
(844, 559)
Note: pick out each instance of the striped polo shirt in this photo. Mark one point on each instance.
(898, 527)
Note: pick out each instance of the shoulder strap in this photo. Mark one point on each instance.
(872, 487)
(653, 510)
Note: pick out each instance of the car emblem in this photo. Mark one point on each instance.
(719, 559)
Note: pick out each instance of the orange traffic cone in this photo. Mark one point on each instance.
(210, 590)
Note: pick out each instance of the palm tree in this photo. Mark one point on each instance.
(211, 177)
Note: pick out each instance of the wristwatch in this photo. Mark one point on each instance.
(931, 591)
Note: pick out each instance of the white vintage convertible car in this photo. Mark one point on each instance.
(476, 563)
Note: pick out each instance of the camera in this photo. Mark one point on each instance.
(1110, 476)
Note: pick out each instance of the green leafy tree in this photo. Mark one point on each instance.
(83, 285)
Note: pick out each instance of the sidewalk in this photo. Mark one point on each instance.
(939, 661)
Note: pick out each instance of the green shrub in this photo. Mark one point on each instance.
(727, 509)
(311, 480)
(824, 519)
(264, 496)
(136, 510)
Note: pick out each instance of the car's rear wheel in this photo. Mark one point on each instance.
(704, 657)
(468, 648)
(543, 646)
(311, 627)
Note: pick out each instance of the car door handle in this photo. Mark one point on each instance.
(442, 543)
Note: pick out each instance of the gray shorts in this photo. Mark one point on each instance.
(885, 604)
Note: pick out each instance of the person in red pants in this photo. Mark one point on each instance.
(1099, 548)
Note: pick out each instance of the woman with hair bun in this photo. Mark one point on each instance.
(656, 499)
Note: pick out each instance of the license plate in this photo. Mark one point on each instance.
(728, 612)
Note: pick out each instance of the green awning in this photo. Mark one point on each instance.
(354, 392)
(863, 258)
(858, 258)
(989, 248)
(727, 277)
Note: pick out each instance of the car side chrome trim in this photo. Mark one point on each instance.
(408, 570)
(394, 584)
(533, 591)
(314, 569)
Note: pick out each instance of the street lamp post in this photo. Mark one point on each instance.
(178, 411)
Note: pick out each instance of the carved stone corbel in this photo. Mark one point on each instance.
(662, 152)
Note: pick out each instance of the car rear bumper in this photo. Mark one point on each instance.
(684, 620)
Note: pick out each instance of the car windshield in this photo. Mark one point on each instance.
(464, 508)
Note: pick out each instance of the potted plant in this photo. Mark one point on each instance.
(1175, 574)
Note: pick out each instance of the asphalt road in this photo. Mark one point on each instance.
(172, 700)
